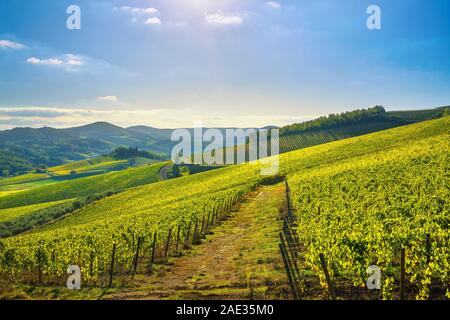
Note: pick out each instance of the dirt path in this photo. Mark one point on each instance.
(240, 260)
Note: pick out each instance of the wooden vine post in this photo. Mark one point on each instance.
(428, 247)
(189, 231)
(288, 271)
(203, 224)
(153, 251)
(178, 237)
(402, 274)
(111, 268)
(166, 254)
(327, 276)
(136, 257)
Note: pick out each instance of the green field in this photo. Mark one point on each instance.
(88, 165)
(380, 191)
(308, 139)
(113, 181)
(420, 115)
(70, 171)
(26, 178)
(18, 212)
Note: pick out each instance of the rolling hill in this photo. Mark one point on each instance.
(24, 149)
(114, 181)
(375, 189)
(376, 164)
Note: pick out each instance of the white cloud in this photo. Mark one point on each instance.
(51, 61)
(69, 62)
(11, 44)
(273, 4)
(74, 60)
(154, 20)
(144, 15)
(223, 19)
(159, 117)
(132, 10)
(108, 98)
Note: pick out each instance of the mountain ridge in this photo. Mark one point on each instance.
(22, 149)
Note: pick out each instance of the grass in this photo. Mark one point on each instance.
(94, 164)
(159, 197)
(157, 205)
(114, 181)
(26, 178)
(308, 139)
(14, 213)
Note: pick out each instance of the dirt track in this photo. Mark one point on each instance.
(240, 260)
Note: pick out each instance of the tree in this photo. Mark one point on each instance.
(446, 111)
(334, 120)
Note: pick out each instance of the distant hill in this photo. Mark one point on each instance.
(158, 134)
(412, 116)
(24, 149)
(346, 125)
(350, 124)
(116, 136)
(113, 181)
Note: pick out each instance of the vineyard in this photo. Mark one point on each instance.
(295, 140)
(14, 213)
(420, 115)
(375, 206)
(94, 164)
(357, 201)
(114, 181)
(308, 139)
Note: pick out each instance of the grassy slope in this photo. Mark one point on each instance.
(168, 195)
(316, 137)
(83, 187)
(8, 214)
(302, 140)
(25, 178)
(83, 168)
(419, 115)
(86, 165)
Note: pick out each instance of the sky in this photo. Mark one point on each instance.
(244, 63)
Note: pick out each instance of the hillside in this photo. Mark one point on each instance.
(366, 174)
(105, 163)
(114, 181)
(24, 149)
(413, 116)
(337, 127)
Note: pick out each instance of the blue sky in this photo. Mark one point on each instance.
(169, 63)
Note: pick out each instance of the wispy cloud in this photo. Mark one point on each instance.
(145, 15)
(159, 117)
(107, 98)
(153, 21)
(11, 44)
(223, 19)
(273, 4)
(32, 112)
(68, 62)
(51, 61)
(138, 11)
